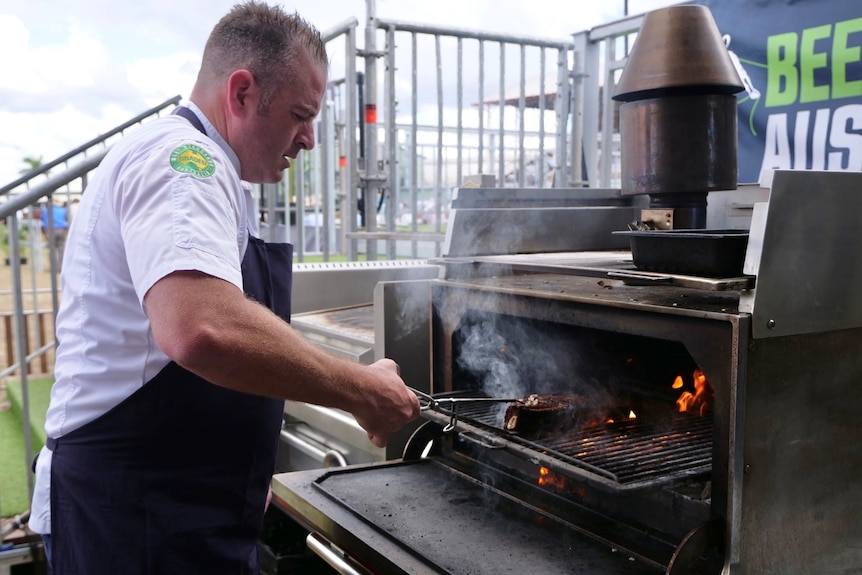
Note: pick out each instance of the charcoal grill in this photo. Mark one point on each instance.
(630, 453)
(762, 482)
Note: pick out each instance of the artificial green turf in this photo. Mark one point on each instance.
(39, 393)
(14, 497)
(13, 470)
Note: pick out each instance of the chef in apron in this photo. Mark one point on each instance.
(174, 353)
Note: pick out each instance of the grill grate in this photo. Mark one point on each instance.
(629, 451)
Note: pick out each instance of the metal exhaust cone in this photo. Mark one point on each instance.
(677, 48)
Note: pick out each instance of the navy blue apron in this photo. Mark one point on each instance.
(174, 479)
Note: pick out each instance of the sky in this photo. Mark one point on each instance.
(71, 70)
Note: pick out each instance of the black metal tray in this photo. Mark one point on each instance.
(425, 517)
(712, 253)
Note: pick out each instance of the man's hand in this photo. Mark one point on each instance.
(390, 404)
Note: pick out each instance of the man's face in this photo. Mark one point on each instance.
(266, 142)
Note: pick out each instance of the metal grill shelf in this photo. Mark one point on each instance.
(628, 453)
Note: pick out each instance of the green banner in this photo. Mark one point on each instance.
(801, 65)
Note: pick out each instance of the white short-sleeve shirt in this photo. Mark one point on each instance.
(166, 198)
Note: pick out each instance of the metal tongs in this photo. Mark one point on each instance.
(428, 402)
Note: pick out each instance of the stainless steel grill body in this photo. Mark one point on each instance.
(765, 482)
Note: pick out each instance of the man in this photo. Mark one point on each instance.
(60, 223)
(171, 369)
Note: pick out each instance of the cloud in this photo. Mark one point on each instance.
(73, 70)
(18, 72)
(78, 63)
(158, 79)
(70, 87)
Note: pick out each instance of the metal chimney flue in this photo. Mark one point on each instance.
(678, 116)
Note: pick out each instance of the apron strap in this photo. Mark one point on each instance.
(191, 117)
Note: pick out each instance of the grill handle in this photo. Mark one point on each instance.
(324, 550)
(327, 458)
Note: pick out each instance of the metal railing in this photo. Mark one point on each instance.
(432, 108)
(84, 150)
(469, 105)
(599, 57)
(435, 107)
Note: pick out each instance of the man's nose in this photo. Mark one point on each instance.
(305, 137)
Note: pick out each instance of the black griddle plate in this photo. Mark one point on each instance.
(425, 517)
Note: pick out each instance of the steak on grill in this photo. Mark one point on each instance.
(543, 412)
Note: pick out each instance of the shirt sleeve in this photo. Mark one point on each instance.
(171, 220)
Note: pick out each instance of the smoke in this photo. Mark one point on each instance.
(510, 357)
(412, 309)
(487, 353)
(501, 353)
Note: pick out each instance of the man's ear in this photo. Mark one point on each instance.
(242, 92)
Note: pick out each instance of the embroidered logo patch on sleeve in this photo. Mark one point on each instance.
(194, 160)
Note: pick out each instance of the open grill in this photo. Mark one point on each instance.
(637, 451)
(631, 453)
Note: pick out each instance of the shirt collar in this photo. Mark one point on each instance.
(214, 135)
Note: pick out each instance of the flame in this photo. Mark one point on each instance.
(699, 380)
(697, 402)
(631, 415)
(548, 478)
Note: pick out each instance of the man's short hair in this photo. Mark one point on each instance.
(264, 40)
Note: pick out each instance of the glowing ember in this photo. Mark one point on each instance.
(697, 402)
(632, 415)
(548, 478)
(677, 383)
